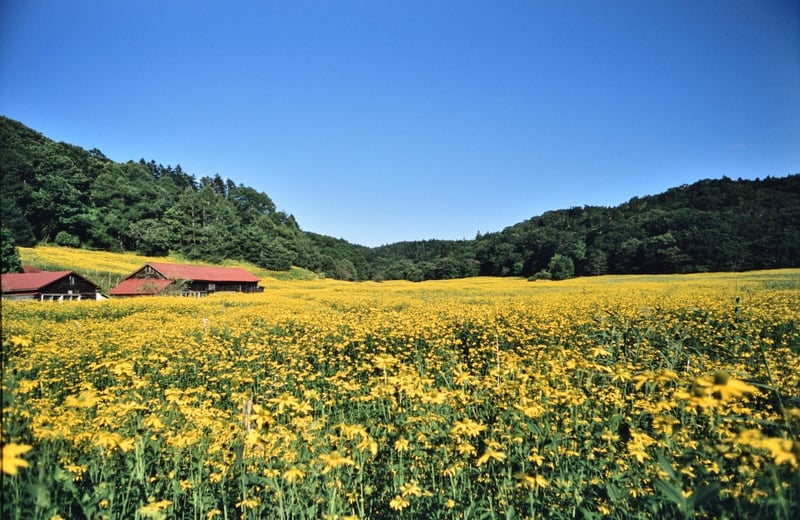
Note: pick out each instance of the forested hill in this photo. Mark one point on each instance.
(60, 193)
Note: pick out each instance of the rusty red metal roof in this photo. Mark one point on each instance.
(139, 286)
(204, 273)
(21, 282)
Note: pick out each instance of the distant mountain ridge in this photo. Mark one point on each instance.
(60, 193)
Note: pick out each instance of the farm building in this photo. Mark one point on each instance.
(187, 280)
(48, 285)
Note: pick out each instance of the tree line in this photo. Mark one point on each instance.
(54, 192)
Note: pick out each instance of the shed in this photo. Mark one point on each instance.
(188, 280)
(48, 285)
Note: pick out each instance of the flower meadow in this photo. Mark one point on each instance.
(621, 397)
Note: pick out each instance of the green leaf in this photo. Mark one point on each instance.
(704, 494)
(666, 467)
(672, 493)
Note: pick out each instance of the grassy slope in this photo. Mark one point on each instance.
(107, 269)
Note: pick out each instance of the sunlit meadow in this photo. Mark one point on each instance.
(621, 397)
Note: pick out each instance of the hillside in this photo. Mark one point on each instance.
(108, 268)
(57, 193)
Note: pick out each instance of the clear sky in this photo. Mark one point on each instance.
(378, 121)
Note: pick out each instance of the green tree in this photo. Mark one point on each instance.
(152, 237)
(596, 262)
(125, 194)
(561, 267)
(9, 256)
(276, 255)
(67, 240)
(204, 225)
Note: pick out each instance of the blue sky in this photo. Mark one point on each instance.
(381, 121)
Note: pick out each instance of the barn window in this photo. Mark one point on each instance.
(212, 287)
(71, 280)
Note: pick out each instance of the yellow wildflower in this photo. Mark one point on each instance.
(536, 458)
(19, 341)
(410, 489)
(401, 444)
(721, 385)
(665, 423)
(465, 448)
(530, 481)
(782, 450)
(467, 427)
(11, 457)
(490, 454)
(333, 460)
(398, 503)
(155, 509)
(87, 399)
(293, 475)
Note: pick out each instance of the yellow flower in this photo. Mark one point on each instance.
(467, 427)
(11, 459)
(665, 375)
(536, 459)
(368, 444)
(249, 503)
(411, 489)
(126, 444)
(530, 408)
(293, 475)
(665, 423)
(530, 481)
(452, 471)
(19, 341)
(782, 450)
(644, 377)
(465, 448)
(722, 386)
(638, 444)
(490, 454)
(155, 509)
(398, 503)
(84, 400)
(401, 445)
(333, 460)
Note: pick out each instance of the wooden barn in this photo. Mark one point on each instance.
(48, 286)
(186, 280)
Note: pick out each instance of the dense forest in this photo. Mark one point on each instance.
(54, 192)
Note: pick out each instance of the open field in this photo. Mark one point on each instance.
(627, 397)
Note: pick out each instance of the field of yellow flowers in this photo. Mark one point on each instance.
(622, 397)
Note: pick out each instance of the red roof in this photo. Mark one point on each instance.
(137, 286)
(19, 282)
(204, 273)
